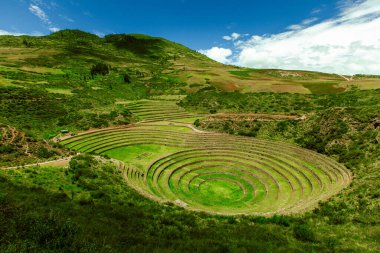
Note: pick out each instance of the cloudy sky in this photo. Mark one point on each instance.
(346, 43)
(340, 36)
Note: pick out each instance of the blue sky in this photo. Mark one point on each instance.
(195, 23)
(228, 31)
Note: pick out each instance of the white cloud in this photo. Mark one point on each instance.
(34, 33)
(41, 14)
(346, 44)
(304, 23)
(309, 21)
(54, 29)
(218, 54)
(66, 18)
(316, 11)
(233, 36)
(295, 27)
(3, 32)
(227, 37)
(99, 34)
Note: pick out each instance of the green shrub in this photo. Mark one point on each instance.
(126, 78)
(100, 69)
(6, 149)
(303, 232)
(43, 152)
(82, 165)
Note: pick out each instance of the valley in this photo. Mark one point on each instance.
(136, 143)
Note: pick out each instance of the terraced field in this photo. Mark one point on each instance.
(158, 110)
(215, 172)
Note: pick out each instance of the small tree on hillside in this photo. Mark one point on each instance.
(127, 78)
(99, 69)
(26, 43)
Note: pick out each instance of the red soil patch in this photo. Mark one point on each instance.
(253, 116)
(228, 86)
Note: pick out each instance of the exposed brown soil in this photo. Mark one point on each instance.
(55, 163)
(253, 116)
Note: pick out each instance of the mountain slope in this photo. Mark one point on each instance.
(72, 52)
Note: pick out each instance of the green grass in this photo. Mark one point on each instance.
(54, 179)
(140, 156)
(323, 88)
(7, 83)
(241, 73)
(59, 91)
(43, 70)
(220, 192)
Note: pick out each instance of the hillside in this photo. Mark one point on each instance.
(53, 73)
(71, 53)
(131, 143)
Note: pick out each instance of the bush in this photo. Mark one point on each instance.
(304, 233)
(6, 149)
(86, 201)
(100, 69)
(127, 78)
(82, 166)
(43, 152)
(26, 43)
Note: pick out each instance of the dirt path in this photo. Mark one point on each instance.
(177, 123)
(14, 134)
(195, 129)
(346, 78)
(59, 162)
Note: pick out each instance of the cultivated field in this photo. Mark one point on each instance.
(159, 110)
(212, 172)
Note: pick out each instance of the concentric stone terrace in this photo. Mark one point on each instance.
(221, 173)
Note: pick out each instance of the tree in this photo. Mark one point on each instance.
(127, 78)
(99, 69)
(26, 43)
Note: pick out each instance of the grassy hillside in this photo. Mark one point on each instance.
(145, 93)
(53, 79)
